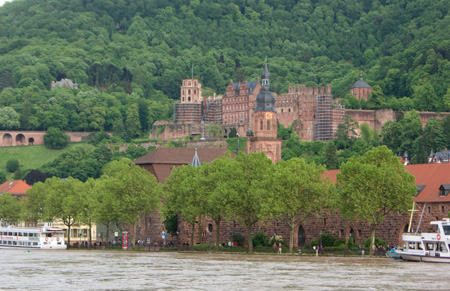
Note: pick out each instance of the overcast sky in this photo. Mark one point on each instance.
(3, 1)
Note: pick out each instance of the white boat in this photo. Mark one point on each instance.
(428, 246)
(45, 237)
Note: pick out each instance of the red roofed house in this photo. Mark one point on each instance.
(17, 188)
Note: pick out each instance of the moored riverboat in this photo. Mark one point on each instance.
(45, 237)
(428, 246)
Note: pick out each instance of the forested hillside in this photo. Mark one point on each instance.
(129, 56)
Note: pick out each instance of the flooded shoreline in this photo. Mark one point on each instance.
(117, 270)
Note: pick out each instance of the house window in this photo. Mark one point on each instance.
(442, 209)
(260, 125)
(268, 125)
(429, 209)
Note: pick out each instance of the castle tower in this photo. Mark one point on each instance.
(263, 138)
(191, 91)
(361, 89)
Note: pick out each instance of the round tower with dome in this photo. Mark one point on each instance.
(263, 138)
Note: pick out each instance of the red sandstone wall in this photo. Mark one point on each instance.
(19, 138)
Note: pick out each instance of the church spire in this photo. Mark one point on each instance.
(265, 101)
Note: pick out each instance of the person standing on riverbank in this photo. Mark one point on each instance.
(279, 248)
(274, 247)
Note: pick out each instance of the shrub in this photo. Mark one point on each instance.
(2, 177)
(377, 242)
(12, 165)
(327, 240)
(259, 239)
(238, 238)
(350, 243)
(339, 242)
(276, 239)
(55, 139)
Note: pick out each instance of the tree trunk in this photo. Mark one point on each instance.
(90, 234)
(200, 229)
(68, 235)
(217, 234)
(133, 239)
(372, 240)
(192, 235)
(249, 237)
(107, 232)
(291, 239)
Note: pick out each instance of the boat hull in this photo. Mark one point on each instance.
(421, 258)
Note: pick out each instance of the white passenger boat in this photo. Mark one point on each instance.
(45, 237)
(428, 246)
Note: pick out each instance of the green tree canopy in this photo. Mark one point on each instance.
(373, 186)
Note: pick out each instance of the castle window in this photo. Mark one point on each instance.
(289, 109)
(261, 125)
(189, 91)
(281, 110)
(183, 99)
(268, 125)
(189, 98)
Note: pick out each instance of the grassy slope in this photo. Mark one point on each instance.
(30, 157)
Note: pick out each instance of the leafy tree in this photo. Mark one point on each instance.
(55, 199)
(232, 133)
(11, 208)
(181, 196)
(135, 191)
(9, 118)
(346, 132)
(34, 176)
(376, 98)
(2, 177)
(213, 183)
(132, 124)
(89, 205)
(12, 165)
(214, 130)
(297, 191)
(245, 190)
(55, 139)
(331, 157)
(374, 185)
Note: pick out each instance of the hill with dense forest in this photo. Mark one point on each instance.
(129, 57)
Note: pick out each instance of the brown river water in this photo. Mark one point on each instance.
(120, 270)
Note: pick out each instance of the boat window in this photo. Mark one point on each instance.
(419, 246)
(446, 229)
(9, 233)
(10, 242)
(35, 243)
(442, 248)
(20, 234)
(429, 246)
(412, 246)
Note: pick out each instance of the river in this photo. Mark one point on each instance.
(120, 270)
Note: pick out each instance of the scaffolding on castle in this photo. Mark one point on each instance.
(323, 127)
(187, 112)
(213, 112)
